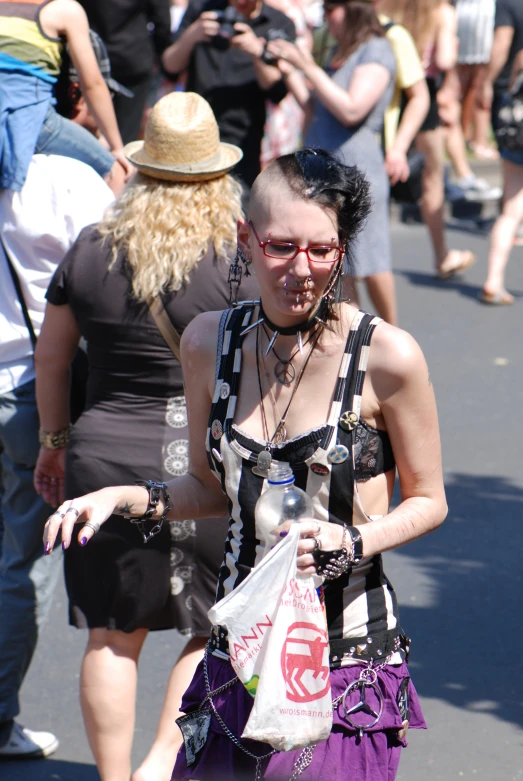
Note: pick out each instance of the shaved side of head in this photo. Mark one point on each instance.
(266, 184)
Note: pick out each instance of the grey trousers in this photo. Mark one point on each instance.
(27, 578)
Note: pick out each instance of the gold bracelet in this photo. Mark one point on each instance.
(54, 440)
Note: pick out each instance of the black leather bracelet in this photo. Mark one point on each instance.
(154, 496)
(155, 491)
(357, 544)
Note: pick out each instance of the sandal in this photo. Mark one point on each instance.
(483, 152)
(464, 260)
(501, 298)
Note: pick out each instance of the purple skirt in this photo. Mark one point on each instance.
(373, 756)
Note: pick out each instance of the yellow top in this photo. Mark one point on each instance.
(409, 71)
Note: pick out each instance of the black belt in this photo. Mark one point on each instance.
(376, 646)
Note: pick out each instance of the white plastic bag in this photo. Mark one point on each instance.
(279, 649)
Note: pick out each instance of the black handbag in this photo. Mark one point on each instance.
(411, 190)
(509, 124)
(79, 365)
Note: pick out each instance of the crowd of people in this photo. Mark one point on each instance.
(179, 303)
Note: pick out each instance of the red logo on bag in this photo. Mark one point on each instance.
(305, 662)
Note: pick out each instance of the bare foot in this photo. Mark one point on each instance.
(496, 298)
(456, 262)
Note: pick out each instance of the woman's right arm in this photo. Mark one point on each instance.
(198, 494)
(350, 106)
(446, 52)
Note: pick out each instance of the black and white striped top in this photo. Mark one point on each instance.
(358, 605)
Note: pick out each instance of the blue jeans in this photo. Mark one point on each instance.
(24, 102)
(60, 136)
(27, 577)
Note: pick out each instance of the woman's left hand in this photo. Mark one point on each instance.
(313, 534)
(49, 475)
(284, 50)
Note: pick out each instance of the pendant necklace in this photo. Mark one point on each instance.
(264, 460)
(284, 370)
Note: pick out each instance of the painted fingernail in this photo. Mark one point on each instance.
(64, 546)
(83, 541)
(283, 534)
(47, 549)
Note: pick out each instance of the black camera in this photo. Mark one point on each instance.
(227, 19)
(273, 35)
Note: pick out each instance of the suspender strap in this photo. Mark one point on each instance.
(360, 358)
(227, 383)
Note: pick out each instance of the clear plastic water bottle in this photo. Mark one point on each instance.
(281, 501)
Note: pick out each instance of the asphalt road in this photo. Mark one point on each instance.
(459, 589)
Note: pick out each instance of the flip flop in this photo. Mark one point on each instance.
(483, 152)
(501, 298)
(467, 260)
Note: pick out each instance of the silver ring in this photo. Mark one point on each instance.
(318, 530)
(72, 510)
(316, 544)
(93, 525)
(57, 512)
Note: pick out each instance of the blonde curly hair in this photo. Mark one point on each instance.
(165, 228)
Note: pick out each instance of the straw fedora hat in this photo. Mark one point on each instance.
(182, 142)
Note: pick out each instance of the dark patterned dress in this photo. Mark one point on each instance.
(135, 426)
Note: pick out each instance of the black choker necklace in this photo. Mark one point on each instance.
(317, 319)
(292, 330)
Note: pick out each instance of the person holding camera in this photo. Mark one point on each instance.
(223, 49)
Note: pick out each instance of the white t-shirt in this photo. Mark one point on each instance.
(38, 225)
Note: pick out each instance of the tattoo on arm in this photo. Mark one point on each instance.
(125, 509)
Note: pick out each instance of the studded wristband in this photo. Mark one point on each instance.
(155, 491)
(334, 563)
(357, 544)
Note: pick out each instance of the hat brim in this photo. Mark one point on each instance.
(229, 156)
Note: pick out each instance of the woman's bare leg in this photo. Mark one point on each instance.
(505, 228)
(159, 762)
(457, 151)
(108, 697)
(431, 143)
(382, 293)
(465, 74)
(481, 119)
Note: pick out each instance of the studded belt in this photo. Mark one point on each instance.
(376, 646)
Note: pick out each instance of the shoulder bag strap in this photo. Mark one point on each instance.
(18, 288)
(165, 326)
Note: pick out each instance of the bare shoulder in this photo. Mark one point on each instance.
(200, 338)
(395, 361)
(64, 13)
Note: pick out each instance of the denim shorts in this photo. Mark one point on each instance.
(60, 136)
(512, 155)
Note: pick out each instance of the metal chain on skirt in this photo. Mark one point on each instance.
(367, 676)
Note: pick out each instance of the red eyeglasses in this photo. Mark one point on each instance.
(286, 250)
